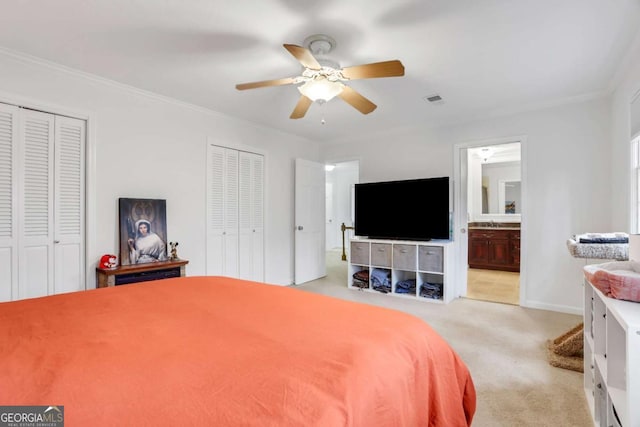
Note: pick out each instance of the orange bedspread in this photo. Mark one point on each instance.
(215, 351)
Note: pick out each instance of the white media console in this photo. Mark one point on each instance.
(418, 270)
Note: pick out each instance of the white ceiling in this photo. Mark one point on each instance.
(482, 56)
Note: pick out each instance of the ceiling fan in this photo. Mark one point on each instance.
(323, 79)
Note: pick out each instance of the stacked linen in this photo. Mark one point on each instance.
(407, 286)
(361, 279)
(612, 246)
(431, 290)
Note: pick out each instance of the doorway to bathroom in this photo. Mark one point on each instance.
(489, 222)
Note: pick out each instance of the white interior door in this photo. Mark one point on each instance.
(42, 186)
(222, 211)
(35, 274)
(257, 216)
(69, 203)
(309, 221)
(461, 219)
(8, 202)
(215, 210)
(251, 235)
(231, 209)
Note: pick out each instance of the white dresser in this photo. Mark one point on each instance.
(611, 359)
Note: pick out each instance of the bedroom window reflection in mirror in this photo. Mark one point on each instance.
(495, 180)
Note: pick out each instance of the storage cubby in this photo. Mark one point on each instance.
(422, 266)
(611, 356)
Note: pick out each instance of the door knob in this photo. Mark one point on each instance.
(463, 230)
(300, 227)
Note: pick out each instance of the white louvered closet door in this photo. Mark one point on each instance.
(215, 210)
(8, 202)
(41, 203)
(35, 192)
(69, 201)
(222, 211)
(251, 216)
(231, 266)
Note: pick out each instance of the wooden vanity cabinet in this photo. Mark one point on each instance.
(514, 248)
(494, 249)
(478, 249)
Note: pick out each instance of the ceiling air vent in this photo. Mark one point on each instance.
(434, 99)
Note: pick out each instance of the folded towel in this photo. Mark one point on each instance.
(602, 238)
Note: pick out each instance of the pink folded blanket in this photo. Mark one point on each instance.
(616, 279)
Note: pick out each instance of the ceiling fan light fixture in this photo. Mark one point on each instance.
(321, 89)
(322, 78)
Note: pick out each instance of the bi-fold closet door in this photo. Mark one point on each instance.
(235, 213)
(41, 203)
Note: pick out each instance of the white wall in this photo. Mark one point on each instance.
(566, 162)
(628, 86)
(151, 147)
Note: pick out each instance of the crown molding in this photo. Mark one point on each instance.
(626, 63)
(34, 60)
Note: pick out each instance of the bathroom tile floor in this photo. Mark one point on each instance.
(493, 285)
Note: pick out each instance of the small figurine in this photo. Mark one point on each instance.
(108, 261)
(173, 255)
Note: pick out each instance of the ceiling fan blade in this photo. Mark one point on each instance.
(357, 101)
(265, 83)
(377, 69)
(303, 55)
(301, 107)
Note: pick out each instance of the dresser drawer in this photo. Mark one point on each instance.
(360, 253)
(381, 254)
(404, 257)
(430, 258)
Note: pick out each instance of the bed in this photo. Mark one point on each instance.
(226, 352)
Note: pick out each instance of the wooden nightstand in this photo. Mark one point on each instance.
(135, 273)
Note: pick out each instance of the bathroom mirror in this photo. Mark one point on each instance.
(495, 182)
(500, 188)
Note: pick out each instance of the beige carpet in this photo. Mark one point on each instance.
(504, 347)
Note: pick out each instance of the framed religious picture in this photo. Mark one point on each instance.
(143, 230)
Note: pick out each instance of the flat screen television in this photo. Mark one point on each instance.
(416, 209)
